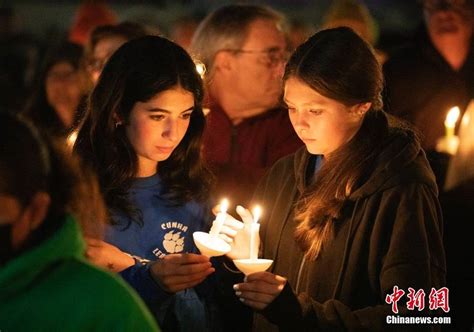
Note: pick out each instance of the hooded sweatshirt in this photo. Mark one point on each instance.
(389, 234)
(52, 288)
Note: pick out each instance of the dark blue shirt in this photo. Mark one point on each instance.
(166, 229)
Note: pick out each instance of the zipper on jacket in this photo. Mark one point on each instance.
(298, 279)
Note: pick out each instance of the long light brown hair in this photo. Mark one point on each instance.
(339, 65)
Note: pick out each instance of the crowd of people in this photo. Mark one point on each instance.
(364, 215)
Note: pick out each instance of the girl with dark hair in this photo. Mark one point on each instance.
(142, 135)
(58, 102)
(352, 214)
(43, 273)
(104, 41)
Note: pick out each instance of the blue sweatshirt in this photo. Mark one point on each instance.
(166, 229)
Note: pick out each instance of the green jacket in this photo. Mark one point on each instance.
(53, 288)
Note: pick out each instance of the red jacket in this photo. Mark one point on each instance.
(240, 155)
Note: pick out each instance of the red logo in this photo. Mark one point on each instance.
(438, 299)
(394, 298)
(416, 300)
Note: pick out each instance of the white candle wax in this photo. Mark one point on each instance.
(254, 234)
(220, 218)
(254, 240)
(217, 224)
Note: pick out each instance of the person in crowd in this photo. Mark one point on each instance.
(59, 99)
(244, 50)
(104, 41)
(182, 30)
(355, 15)
(425, 80)
(46, 283)
(88, 16)
(142, 135)
(352, 214)
(458, 212)
(299, 31)
(20, 53)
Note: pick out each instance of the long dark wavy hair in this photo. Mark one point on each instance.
(136, 72)
(339, 65)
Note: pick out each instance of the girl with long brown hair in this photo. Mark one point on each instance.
(353, 213)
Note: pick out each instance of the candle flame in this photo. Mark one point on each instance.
(257, 212)
(224, 205)
(452, 117)
(71, 139)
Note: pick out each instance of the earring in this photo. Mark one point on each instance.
(117, 124)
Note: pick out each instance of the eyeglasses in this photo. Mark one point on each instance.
(273, 56)
(435, 5)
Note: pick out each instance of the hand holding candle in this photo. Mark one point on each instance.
(210, 244)
(253, 263)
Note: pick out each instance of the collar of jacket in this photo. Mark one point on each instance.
(23, 270)
(401, 161)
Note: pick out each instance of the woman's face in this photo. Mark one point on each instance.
(64, 91)
(156, 127)
(323, 124)
(101, 53)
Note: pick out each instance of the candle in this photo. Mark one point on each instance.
(254, 233)
(220, 218)
(451, 119)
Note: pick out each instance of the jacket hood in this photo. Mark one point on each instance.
(22, 271)
(401, 161)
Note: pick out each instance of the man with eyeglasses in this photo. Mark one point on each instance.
(244, 50)
(425, 80)
(104, 41)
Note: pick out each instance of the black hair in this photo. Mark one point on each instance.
(32, 161)
(136, 72)
(38, 109)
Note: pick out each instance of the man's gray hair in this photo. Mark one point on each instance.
(227, 28)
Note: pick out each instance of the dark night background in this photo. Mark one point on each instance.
(396, 19)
